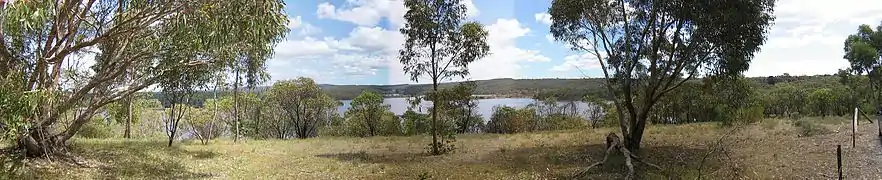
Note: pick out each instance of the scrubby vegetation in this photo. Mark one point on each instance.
(173, 93)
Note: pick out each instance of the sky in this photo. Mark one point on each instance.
(356, 41)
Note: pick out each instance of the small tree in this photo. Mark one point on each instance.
(595, 110)
(125, 111)
(439, 45)
(304, 105)
(367, 111)
(203, 123)
(821, 102)
(459, 106)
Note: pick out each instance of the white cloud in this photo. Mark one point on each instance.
(307, 47)
(296, 24)
(807, 36)
(359, 64)
(581, 62)
(549, 37)
(368, 49)
(543, 18)
(504, 62)
(365, 12)
(375, 39)
(471, 9)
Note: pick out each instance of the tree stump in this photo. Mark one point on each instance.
(613, 142)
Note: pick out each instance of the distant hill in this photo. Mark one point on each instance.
(501, 87)
(562, 89)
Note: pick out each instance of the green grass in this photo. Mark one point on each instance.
(754, 153)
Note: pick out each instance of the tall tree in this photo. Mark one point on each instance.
(647, 48)
(440, 45)
(864, 51)
(264, 25)
(136, 39)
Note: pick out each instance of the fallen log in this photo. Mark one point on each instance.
(613, 142)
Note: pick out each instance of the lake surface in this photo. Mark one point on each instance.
(485, 106)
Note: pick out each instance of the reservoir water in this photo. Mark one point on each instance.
(485, 106)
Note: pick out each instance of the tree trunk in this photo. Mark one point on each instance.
(236, 106)
(632, 141)
(171, 121)
(435, 146)
(128, 132)
(257, 121)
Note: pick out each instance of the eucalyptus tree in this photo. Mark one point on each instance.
(263, 24)
(133, 46)
(304, 105)
(127, 112)
(648, 48)
(863, 50)
(439, 45)
(367, 109)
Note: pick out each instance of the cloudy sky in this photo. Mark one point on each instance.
(354, 41)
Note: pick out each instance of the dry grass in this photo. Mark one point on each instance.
(768, 150)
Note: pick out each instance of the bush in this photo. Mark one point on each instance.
(564, 122)
(97, 127)
(390, 125)
(415, 123)
(510, 120)
(810, 128)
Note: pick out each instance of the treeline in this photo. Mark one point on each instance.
(750, 99)
(563, 89)
(300, 109)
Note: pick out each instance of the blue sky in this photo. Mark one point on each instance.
(355, 41)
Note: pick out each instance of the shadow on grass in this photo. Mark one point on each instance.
(386, 158)
(137, 160)
(556, 162)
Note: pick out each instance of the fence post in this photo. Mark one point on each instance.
(839, 160)
(879, 118)
(854, 127)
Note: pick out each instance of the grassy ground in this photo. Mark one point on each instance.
(772, 149)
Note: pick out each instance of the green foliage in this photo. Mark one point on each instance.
(367, 112)
(508, 120)
(862, 50)
(15, 105)
(203, 124)
(642, 66)
(415, 123)
(821, 101)
(97, 127)
(457, 105)
(726, 100)
(304, 105)
(335, 127)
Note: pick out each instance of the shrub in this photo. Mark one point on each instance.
(97, 127)
(415, 123)
(510, 120)
(810, 128)
(564, 122)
